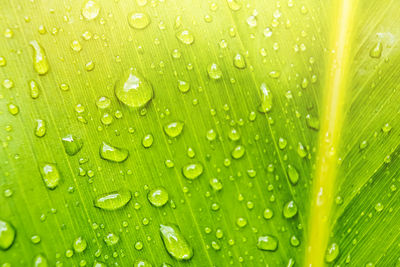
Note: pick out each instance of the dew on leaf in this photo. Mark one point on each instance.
(13, 109)
(241, 222)
(192, 171)
(33, 89)
(293, 174)
(234, 5)
(40, 128)
(266, 99)
(185, 36)
(238, 152)
(301, 150)
(290, 209)
(282, 142)
(175, 243)
(112, 153)
(40, 63)
(72, 144)
(138, 21)
(79, 244)
(147, 140)
(233, 134)
(312, 122)
(40, 261)
(267, 243)
(158, 197)
(7, 235)
(133, 89)
(214, 72)
(211, 135)
(332, 252)
(50, 175)
(113, 200)
(216, 184)
(268, 214)
(111, 239)
(142, 263)
(239, 61)
(386, 128)
(376, 50)
(174, 129)
(90, 10)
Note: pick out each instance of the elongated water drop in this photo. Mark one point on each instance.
(301, 150)
(239, 61)
(40, 63)
(158, 197)
(266, 99)
(173, 129)
(332, 252)
(50, 175)
(7, 235)
(238, 152)
(175, 243)
(214, 72)
(185, 36)
(138, 21)
(40, 128)
(290, 209)
(293, 174)
(112, 153)
(40, 261)
(267, 242)
(193, 170)
(72, 144)
(90, 10)
(376, 50)
(33, 89)
(133, 89)
(113, 200)
(312, 122)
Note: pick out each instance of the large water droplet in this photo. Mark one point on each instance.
(376, 50)
(185, 36)
(40, 63)
(214, 72)
(7, 235)
(238, 152)
(332, 252)
(72, 144)
(133, 89)
(90, 10)
(147, 140)
(175, 243)
(193, 170)
(40, 128)
(79, 244)
(158, 197)
(293, 174)
(112, 153)
(239, 61)
(266, 99)
(50, 175)
(290, 209)
(113, 200)
(40, 261)
(138, 21)
(174, 129)
(111, 239)
(268, 242)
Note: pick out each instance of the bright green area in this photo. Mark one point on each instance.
(215, 104)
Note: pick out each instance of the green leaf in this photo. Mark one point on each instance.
(201, 133)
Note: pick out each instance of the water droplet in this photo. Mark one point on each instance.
(103, 102)
(233, 134)
(76, 45)
(282, 142)
(133, 89)
(252, 21)
(332, 252)
(290, 209)
(142, 263)
(183, 86)
(35, 239)
(147, 140)
(112, 153)
(40, 63)
(3, 61)
(72, 144)
(379, 207)
(113, 200)
(158, 197)
(40, 128)
(301, 150)
(185, 36)
(214, 72)
(33, 89)
(192, 171)
(99, 264)
(173, 129)
(111, 239)
(79, 244)
(90, 10)
(216, 184)
(211, 135)
(175, 243)
(138, 21)
(13, 109)
(293, 174)
(234, 5)
(238, 152)
(241, 222)
(312, 122)
(376, 50)
(50, 175)
(266, 99)
(268, 214)
(386, 128)
(7, 235)
(363, 144)
(267, 242)
(40, 261)
(239, 61)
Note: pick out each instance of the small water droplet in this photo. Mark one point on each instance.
(267, 242)
(90, 10)
(183, 86)
(50, 175)
(40, 261)
(214, 72)
(142, 263)
(239, 61)
(185, 36)
(238, 152)
(133, 89)
(111, 239)
(193, 170)
(290, 209)
(158, 197)
(79, 244)
(40, 63)
(113, 200)
(112, 153)
(138, 21)
(234, 5)
(174, 129)
(301, 150)
(33, 89)
(147, 140)
(312, 122)
(72, 144)
(175, 243)
(266, 99)
(376, 50)
(293, 174)
(13, 109)
(268, 214)
(40, 128)
(7, 235)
